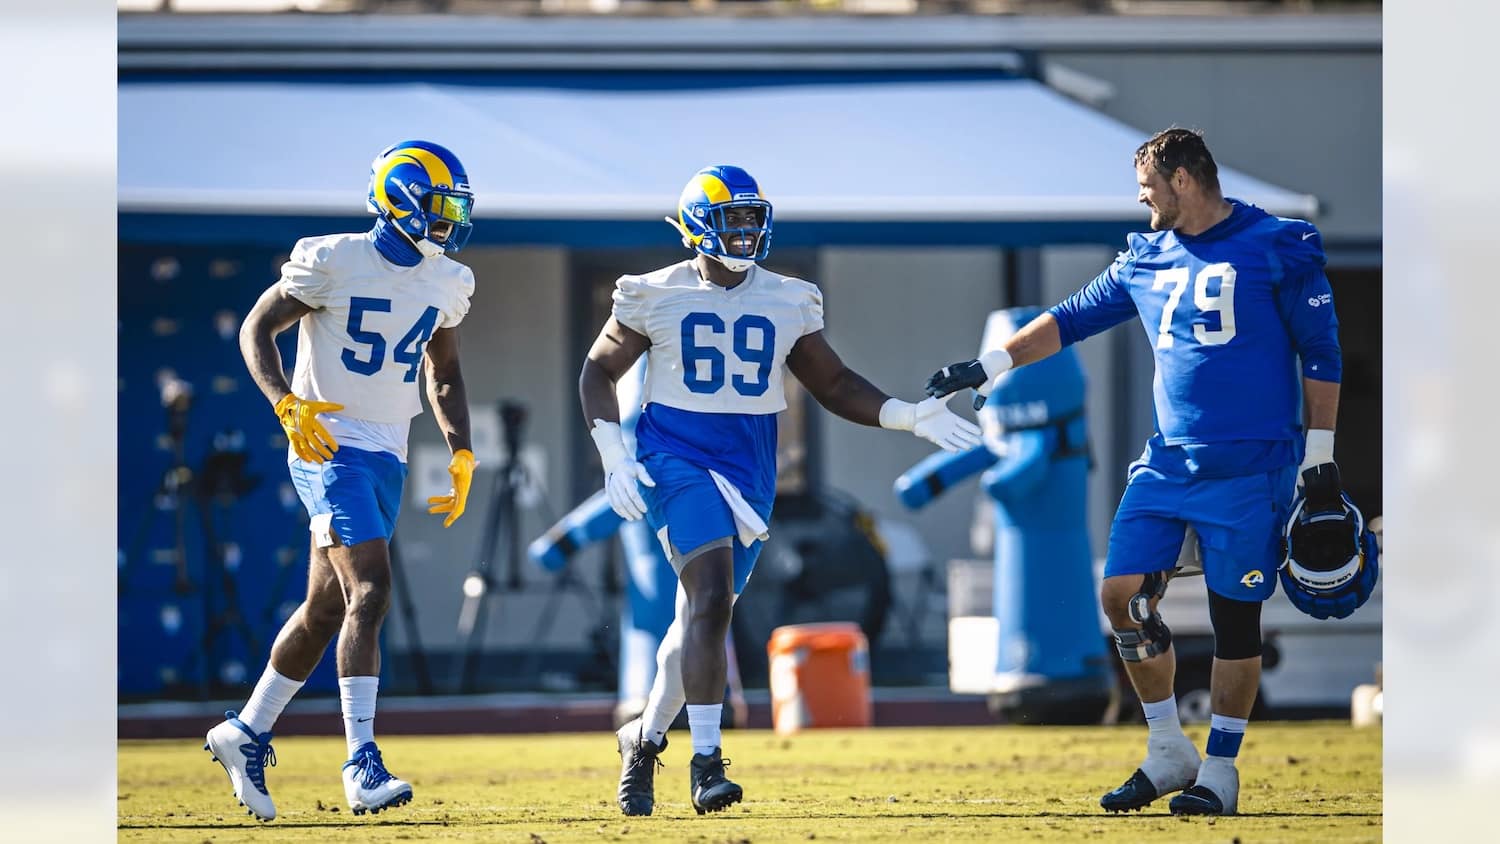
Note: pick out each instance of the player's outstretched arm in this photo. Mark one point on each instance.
(1038, 339)
(450, 406)
(615, 350)
(846, 393)
(274, 313)
(838, 388)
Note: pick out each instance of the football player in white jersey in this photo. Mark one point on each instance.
(720, 332)
(371, 309)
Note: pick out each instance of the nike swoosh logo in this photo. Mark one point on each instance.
(1308, 234)
(362, 720)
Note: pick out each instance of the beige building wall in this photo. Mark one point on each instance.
(1308, 121)
(894, 316)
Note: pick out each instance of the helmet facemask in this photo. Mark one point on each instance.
(738, 234)
(441, 221)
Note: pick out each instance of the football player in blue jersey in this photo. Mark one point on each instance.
(1230, 297)
(720, 331)
(372, 308)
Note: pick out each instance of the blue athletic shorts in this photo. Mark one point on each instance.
(1238, 520)
(360, 489)
(686, 512)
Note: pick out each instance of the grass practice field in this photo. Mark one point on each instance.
(1300, 782)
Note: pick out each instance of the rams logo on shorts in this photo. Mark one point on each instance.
(1253, 579)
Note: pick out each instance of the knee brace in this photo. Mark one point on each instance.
(1236, 626)
(1153, 586)
(1154, 634)
(1154, 637)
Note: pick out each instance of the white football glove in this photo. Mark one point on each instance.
(621, 471)
(931, 420)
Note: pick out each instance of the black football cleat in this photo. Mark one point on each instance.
(1217, 791)
(1197, 801)
(639, 759)
(1174, 763)
(711, 790)
(1137, 793)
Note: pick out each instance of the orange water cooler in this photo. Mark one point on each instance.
(820, 677)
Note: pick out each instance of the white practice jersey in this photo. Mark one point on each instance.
(715, 350)
(363, 343)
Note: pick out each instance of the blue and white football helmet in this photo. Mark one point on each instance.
(701, 221)
(1332, 558)
(423, 190)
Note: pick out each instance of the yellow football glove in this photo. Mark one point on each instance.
(299, 418)
(461, 467)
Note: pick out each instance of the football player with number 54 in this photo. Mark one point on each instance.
(372, 309)
(719, 332)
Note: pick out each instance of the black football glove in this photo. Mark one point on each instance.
(1324, 538)
(1321, 489)
(968, 374)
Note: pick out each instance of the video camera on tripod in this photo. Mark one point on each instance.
(511, 492)
(218, 485)
(502, 515)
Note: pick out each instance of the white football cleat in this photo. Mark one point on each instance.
(369, 786)
(244, 756)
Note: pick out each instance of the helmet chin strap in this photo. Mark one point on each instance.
(425, 246)
(737, 265)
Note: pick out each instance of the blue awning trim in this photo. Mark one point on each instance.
(283, 231)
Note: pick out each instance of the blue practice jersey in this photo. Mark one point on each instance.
(1228, 312)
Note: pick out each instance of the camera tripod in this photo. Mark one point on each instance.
(220, 484)
(503, 517)
(218, 488)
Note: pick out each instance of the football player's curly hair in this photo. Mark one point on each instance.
(1172, 148)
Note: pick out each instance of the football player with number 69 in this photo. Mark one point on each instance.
(719, 332)
(372, 308)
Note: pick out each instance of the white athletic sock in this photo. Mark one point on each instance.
(667, 694)
(1218, 774)
(703, 720)
(271, 695)
(357, 699)
(1171, 759)
(656, 721)
(1161, 717)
